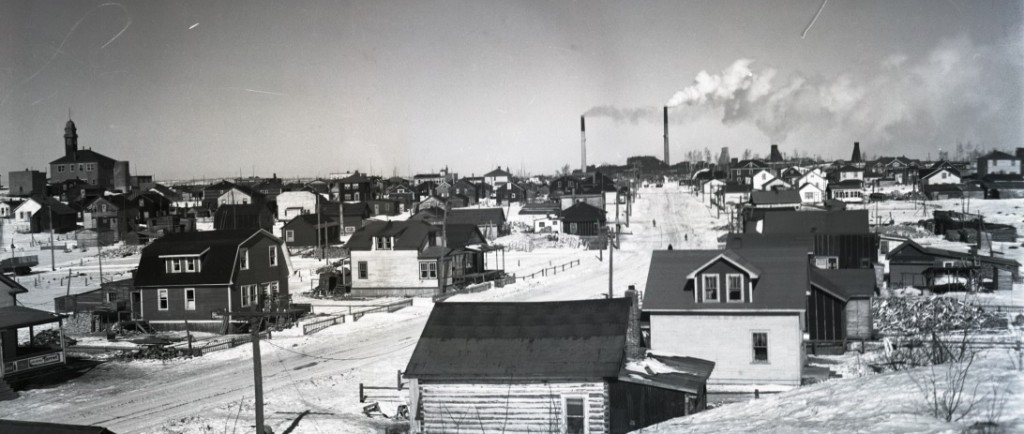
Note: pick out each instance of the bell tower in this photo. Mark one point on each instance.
(70, 139)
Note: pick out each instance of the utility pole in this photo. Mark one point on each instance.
(255, 322)
(53, 260)
(613, 242)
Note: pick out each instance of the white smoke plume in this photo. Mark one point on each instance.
(957, 91)
(631, 115)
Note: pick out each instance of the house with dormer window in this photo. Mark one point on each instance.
(200, 277)
(742, 309)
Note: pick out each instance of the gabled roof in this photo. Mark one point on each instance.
(847, 184)
(781, 285)
(845, 284)
(14, 288)
(932, 251)
(459, 235)
(998, 155)
(497, 172)
(218, 261)
(46, 202)
(684, 374)
(936, 169)
(583, 212)
(311, 220)
(732, 257)
(511, 341)
(850, 168)
(774, 197)
(747, 164)
(84, 156)
(355, 178)
(477, 216)
(733, 187)
(540, 209)
(222, 185)
(409, 235)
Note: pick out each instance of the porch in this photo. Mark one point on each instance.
(19, 358)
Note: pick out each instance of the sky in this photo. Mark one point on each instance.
(196, 89)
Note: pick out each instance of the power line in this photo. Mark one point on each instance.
(337, 358)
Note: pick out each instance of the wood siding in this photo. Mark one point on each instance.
(636, 406)
(727, 340)
(208, 300)
(858, 319)
(529, 407)
(389, 269)
(853, 251)
(825, 320)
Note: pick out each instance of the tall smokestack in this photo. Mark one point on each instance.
(775, 156)
(664, 116)
(855, 158)
(583, 144)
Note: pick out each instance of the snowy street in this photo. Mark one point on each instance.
(321, 373)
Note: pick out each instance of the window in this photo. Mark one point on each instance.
(103, 207)
(161, 299)
(710, 287)
(244, 259)
(249, 295)
(273, 256)
(572, 228)
(575, 418)
(289, 235)
(90, 167)
(947, 264)
(71, 167)
(760, 347)
(111, 297)
(383, 243)
(809, 195)
(428, 270)
(357, 196)
(364, 272)
(175, 265)
(60, 168)
(191, 265)
(348, 197)
(734, 286)
(275, 288)
(944, 175)
(190, 299)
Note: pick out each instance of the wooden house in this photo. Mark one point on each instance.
(583, 219)
(497, 177)
(353, 216)
(465, 188)
(107, 304)
(43, 213)
(583, 371)
(775, 199)
(998, 163)
(355, 188)
(424, 190)
(7, 208)
(911, 264)
(564, 185)
(404, 195)
(940, 173)
(18, 358)
(151, 204)
(291, 204)
(744, 310)
(240, 195)
(202, 277)
(236, 217)
(839, 306)
(409, 258)
(511, 192)
(384, 207)
(213, 192)
(112, 217)
(309, 230)
(849, 191)
(743, 171)
(490, 221)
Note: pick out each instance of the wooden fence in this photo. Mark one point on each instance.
(1000, 308)
(552, 270)
(320, 324)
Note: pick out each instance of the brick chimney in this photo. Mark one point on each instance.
(634, 341)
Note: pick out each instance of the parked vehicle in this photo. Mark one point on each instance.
(20, 265)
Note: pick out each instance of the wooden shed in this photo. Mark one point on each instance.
(567, 366)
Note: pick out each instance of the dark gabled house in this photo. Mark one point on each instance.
(202, 277)
(107, 304)
(511, 192)
(151, 204)
(467, 189)
(839, 305)
(310, 230)
(743, 171)
(17, 357)
(212, 193)
(775, 199)
(354, 188)
(354, 215)
(583, 219)
(384, 207)
(490, 221)
(167, 192)
(563, 185)
(404, 195)
(111, 217)
(839, 239)
(999, 163)
(43, 213)
(583, 371)
(911, 264)
(424, 190)
(249, 217)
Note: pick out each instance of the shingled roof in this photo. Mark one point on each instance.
(83, 156)
(218, 261)
(845, 284)
(564, 339)
(583, 212)
(829, 222)
(781, 284)
(409, 235)
(477, 216)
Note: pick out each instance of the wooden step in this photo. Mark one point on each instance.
(6, 393)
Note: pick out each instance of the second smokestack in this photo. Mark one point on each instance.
(583, 144)
(665, 119)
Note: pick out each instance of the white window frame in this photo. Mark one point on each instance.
(704, 288)
(163, 302)
(176, 265)
(429, 272)
(273, 255)
(728, 290)
(191, 265)
(767, 348)
(289, 235)
(250, 295)
(564, 420)
(360, 267)
(111, 297)
(243, 259)
(192, 305)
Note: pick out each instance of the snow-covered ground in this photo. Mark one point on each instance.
(321, 373)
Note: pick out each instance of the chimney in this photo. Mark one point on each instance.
(664, 115)
(776, 156)
(855, 158)
(583, 144)
(634, 340)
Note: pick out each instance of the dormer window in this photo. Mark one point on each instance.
(734, 287)
(384, 243)
(710, 287)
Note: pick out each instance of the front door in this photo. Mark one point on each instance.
(136, 305)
